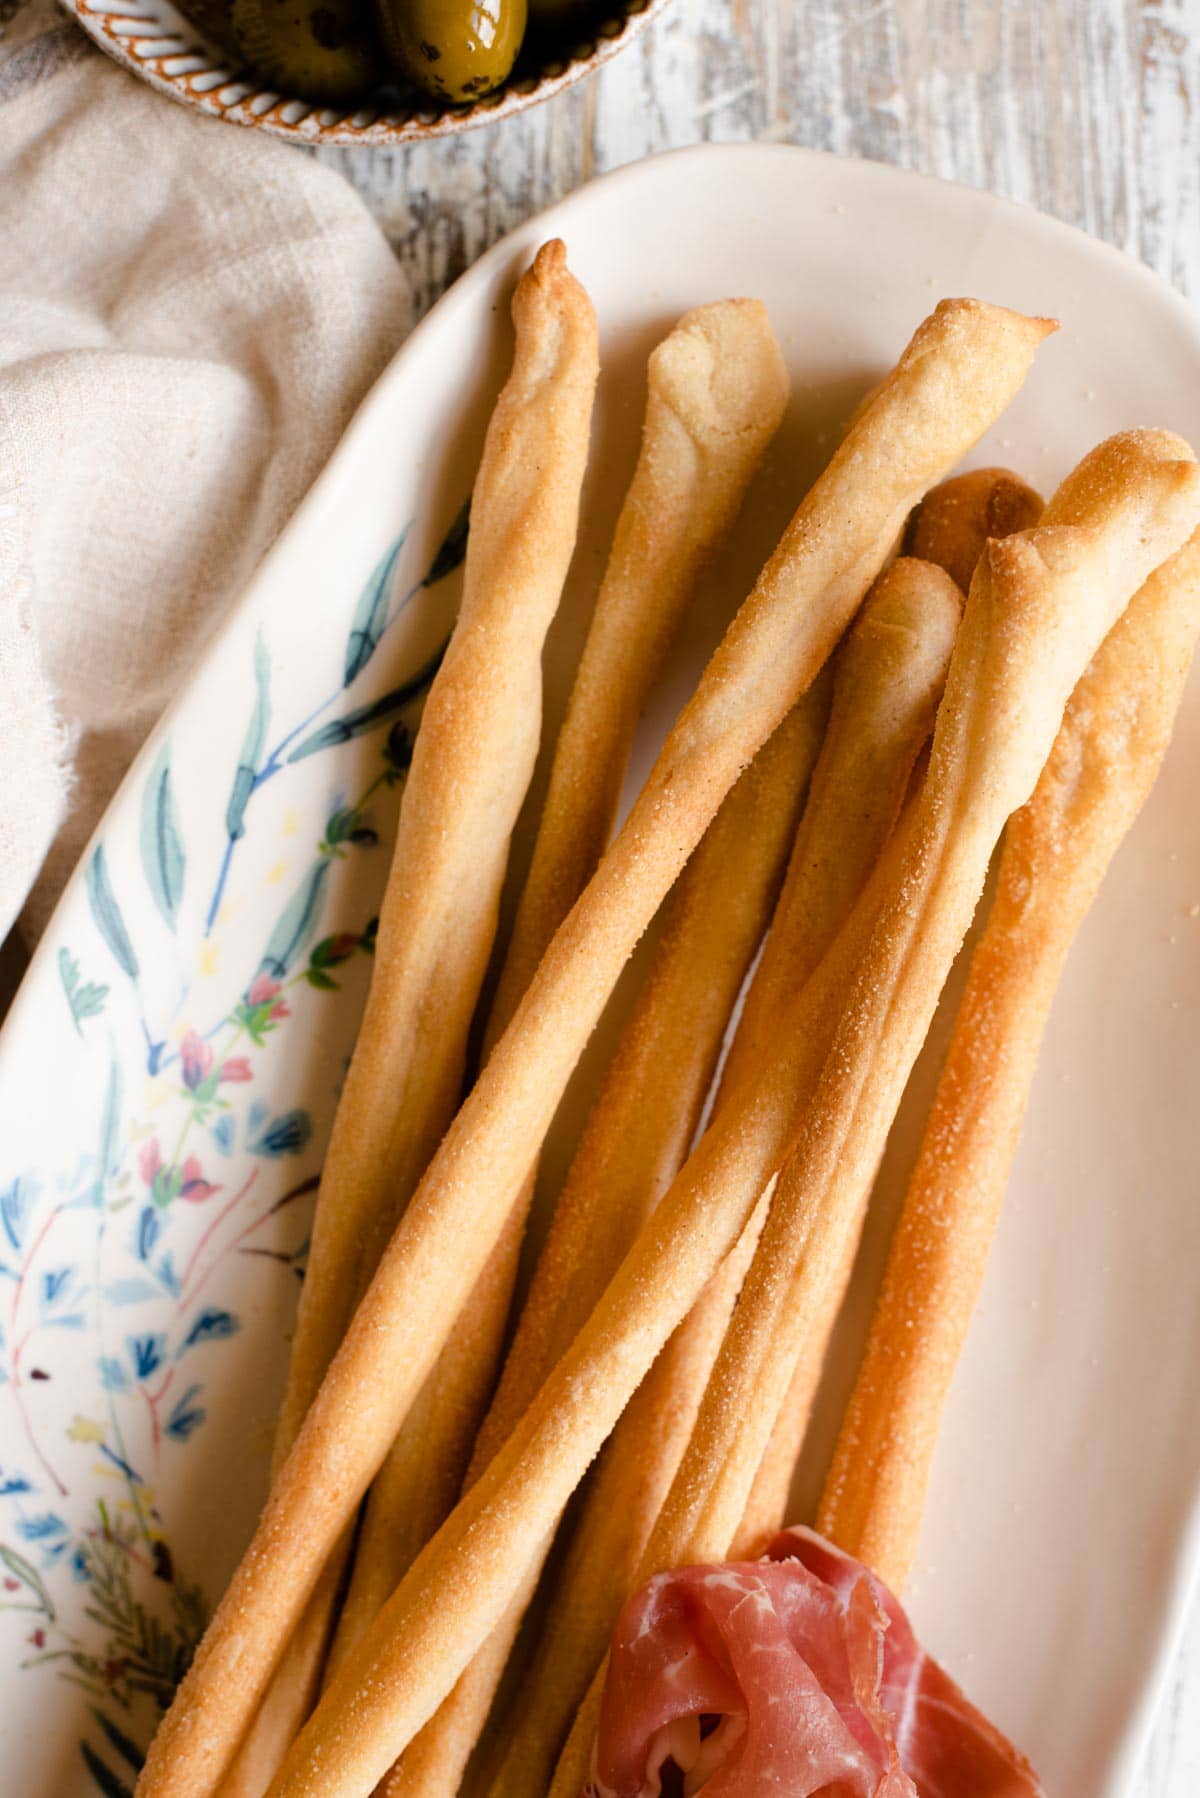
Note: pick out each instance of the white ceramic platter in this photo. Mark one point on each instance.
(168, 1071)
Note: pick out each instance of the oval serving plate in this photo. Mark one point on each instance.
(169, 1068)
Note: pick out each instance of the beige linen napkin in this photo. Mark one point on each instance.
(189, 314)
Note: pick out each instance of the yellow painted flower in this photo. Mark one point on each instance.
(83, 1429)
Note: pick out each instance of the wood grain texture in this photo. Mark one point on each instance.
(1089, 111)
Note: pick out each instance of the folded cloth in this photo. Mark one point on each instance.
(188, 315)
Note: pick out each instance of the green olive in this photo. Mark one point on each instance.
(456, 50)
(322, 49)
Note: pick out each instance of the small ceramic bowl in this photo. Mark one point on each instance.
(188, 56)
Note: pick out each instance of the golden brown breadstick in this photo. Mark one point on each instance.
(954, 521)
(888, 677)
(1057, 849)
(963, 366)
(471, 766)
(717, 390)
(631, 1150)
(951, 525)
(1040, 604)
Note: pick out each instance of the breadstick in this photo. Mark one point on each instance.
(1056, 852)
(631, 1150)
(951, 526)
(717, 390)
(955, 520)
(470, 769)
(1040, 604)
(962, 367)
(888, 677)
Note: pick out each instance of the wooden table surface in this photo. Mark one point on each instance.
(1088, 109)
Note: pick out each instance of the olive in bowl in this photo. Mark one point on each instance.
(455, 50)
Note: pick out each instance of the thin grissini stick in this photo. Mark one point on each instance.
(888, 677)
(470, 770)
(471, 767)
(1056, 852)
(717, 390)
(524, 1488)
(950, 528)
(955, 520)
(963, 366)
(1040, 605)
(630, 1150)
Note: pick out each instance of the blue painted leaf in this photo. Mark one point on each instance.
(113, 1377)
(453, 548)
(187, 1415)
(222, 1133)
(252, 744)
(129, 1291)
(110, 1120)
(13, 1484)
(107, 913)
(166, 1273)
(86, 999)
(108, 1782)
(297, 923)
(16, 1203)
(125, 1746)
(210, 1325)
(367, 717)
(148, 1230)
(146, 1353)
(43, 1528)
(71, 1320)
(285, 1135)
(161, 842)
(370, 614)
(54, 1283)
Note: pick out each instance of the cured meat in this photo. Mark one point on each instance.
(797, 1674)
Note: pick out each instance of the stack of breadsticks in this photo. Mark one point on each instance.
(827, 801)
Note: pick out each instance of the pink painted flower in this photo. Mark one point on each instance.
(149, 1160)
(237, 1068)
(196, 1058)
(195, 1187)
(262, 991)
(37, 1638)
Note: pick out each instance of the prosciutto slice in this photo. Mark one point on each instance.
(798, 1674)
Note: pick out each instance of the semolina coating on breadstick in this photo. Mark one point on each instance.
(471, 766)
(1057, 850)
(630, 1149)
(888, 677)
(962, 367)
(1039, 606)
(717, 391)
(949, 529)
